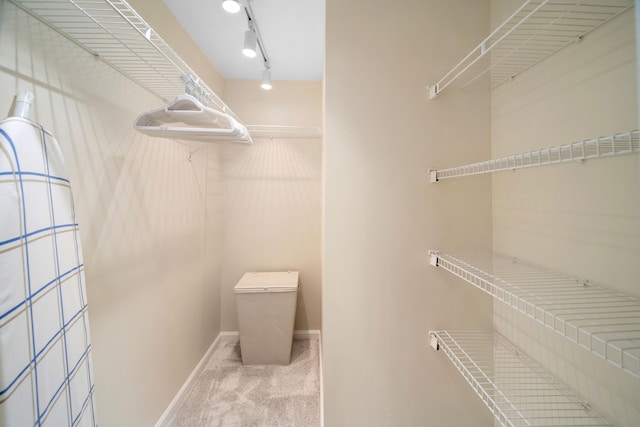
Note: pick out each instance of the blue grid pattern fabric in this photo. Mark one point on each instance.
(45, 352)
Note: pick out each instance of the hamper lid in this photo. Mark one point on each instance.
(277, 281)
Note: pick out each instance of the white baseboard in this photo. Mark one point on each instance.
(307, 334)
(321, 379)
(165, 415)
(234, 336)
(229, 336)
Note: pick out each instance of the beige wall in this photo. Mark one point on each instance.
(149, 214)
(272, 195)
(292, 103)
(381, 214)
(580, 218)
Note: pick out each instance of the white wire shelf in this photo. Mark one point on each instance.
(605, 322)
(604, 146)
(276, 131)
(113, 32)
(515, 389)
(536, 30)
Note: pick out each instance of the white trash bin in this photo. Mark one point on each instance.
(266, 303)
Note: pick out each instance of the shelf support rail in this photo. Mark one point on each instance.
(604, 146)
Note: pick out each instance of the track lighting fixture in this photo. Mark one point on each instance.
(252, 39)
(231, 6)
(266, 79)
(250, 42)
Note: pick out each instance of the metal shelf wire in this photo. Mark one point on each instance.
(515, 389)
(113, 32)
(605, 322)
(536, 30)
(604, 146)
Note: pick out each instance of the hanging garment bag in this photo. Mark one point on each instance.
(45, 350)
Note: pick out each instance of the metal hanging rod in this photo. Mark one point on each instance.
(517, 391)
(113, 32)
(605, 322)
(275, 131)
(536, 30)
(604, 146)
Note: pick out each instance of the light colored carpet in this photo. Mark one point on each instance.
(225, 393)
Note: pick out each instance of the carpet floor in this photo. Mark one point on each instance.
(225, 393)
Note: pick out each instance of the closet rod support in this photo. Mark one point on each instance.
(433, 258)
(433, 340)
(434, 91)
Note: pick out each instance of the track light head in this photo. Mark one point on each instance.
(250, 42)
(266, 79)
(252, 39)
(231, 6)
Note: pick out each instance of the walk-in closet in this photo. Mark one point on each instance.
(452, 199)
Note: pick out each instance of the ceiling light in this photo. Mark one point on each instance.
(266, 79)
(231, 6)
(250, 41)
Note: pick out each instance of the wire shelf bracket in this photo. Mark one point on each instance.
(602, 321)
(516, 390)
(536, 30)
(604, 146)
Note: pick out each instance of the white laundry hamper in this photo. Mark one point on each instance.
(266, 303)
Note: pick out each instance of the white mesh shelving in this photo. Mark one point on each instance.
(605, 322)
(537, 29)
(515, 389)
(113, 32)
(604, 146)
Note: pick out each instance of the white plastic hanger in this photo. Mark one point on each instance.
(186, 118)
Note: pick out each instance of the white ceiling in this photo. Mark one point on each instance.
(291, 30)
